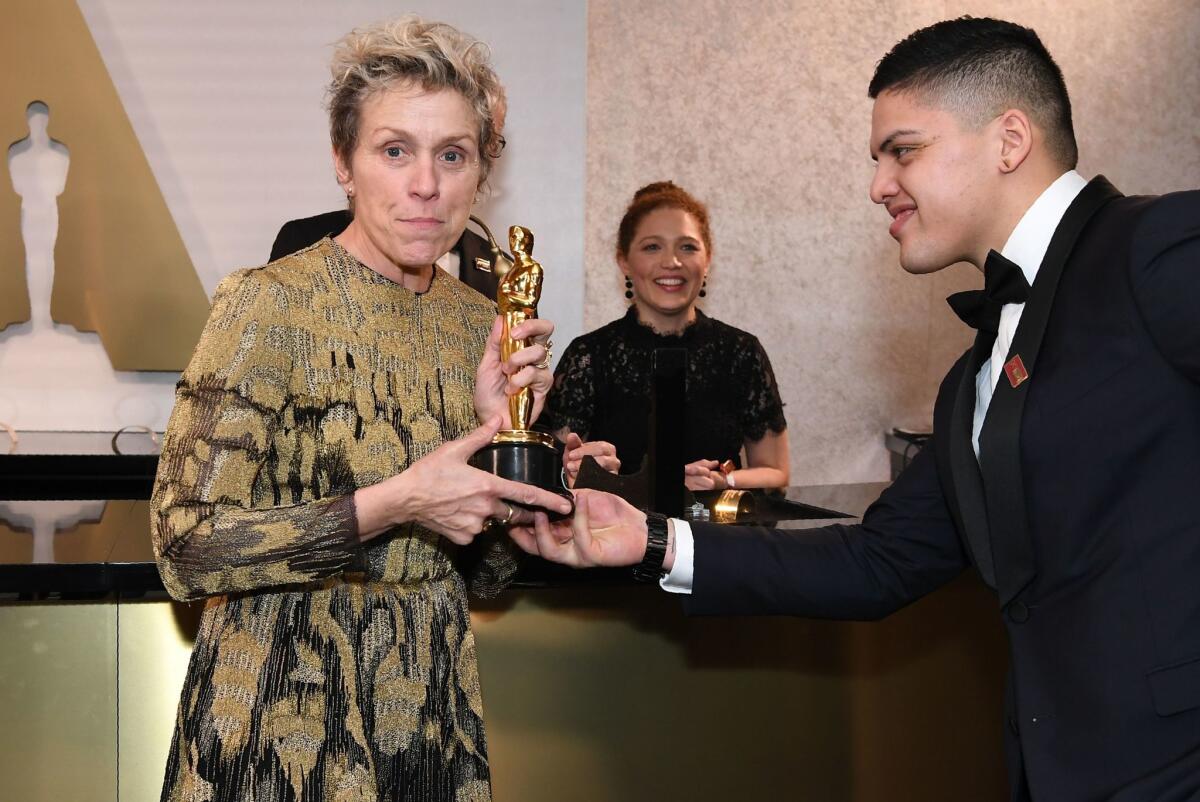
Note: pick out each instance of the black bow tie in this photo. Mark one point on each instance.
(1003, 283)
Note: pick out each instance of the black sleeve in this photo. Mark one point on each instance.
(572, 399)
(905, 547)
(285, 241)
(763, 408)
(1165, 275)
(296, 235)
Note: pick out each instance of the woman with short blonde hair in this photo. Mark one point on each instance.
(432, 55)
(314, 486)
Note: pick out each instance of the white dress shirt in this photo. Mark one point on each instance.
(1026, 247)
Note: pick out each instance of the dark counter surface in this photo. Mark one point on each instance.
(103, 545)
(74, 518)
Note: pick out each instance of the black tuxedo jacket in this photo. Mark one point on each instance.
(298, 234)
(1083, 513)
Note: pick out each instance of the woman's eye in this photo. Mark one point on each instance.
(650, 247)
(393, 152)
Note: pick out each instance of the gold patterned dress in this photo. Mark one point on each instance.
(323, 669)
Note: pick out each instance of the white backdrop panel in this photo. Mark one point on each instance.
(226, 99)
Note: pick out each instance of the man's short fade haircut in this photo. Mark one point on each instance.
(978, 67)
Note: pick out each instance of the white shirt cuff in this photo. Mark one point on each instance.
(679, 580)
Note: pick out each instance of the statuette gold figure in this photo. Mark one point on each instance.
(519, 453)
(517, 298)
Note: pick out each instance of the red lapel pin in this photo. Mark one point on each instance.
(1014, 369)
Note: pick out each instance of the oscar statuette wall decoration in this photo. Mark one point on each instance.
(518, 452)
(120, 265)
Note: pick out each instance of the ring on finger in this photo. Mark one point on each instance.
(545, 363)
(509, 515)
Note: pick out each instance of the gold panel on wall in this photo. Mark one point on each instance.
(120, 266)
(58, 702)
(154, 645)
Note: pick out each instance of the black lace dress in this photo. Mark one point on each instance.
(602, 388)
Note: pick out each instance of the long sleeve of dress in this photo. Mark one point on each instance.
(219, 522)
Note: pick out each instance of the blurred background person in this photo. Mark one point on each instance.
(313, 485)
(602, 384)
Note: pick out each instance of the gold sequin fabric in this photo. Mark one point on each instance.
(323, 670)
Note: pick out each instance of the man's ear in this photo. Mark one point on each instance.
(1015, 136)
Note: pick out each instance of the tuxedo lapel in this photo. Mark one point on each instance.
(999, 440)
(966, 483)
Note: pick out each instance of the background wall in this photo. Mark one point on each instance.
(226, 99)
(761, 110)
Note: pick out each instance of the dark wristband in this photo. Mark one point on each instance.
(650, 569)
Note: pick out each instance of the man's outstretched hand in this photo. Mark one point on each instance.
(605, 531)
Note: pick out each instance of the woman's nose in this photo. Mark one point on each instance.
(424, 179)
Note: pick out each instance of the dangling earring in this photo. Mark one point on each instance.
(629, 288)
(704, 287)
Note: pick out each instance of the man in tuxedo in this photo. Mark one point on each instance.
(1066, 448)
(471, 258)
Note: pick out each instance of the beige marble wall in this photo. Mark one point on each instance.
(760, 108)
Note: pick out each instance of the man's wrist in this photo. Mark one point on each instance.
(653, 563)
(669, 559)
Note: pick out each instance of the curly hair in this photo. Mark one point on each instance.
(433, 55)
(660, 195)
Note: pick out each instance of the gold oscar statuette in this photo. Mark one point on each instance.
(518, 452)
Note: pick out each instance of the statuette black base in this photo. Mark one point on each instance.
(532, 462)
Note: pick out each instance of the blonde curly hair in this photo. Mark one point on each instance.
(433, 55)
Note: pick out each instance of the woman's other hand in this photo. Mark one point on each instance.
(441, 492)
(529, 367)
(704, 474)
(604, 453)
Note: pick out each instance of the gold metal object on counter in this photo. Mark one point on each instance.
(731, 504)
